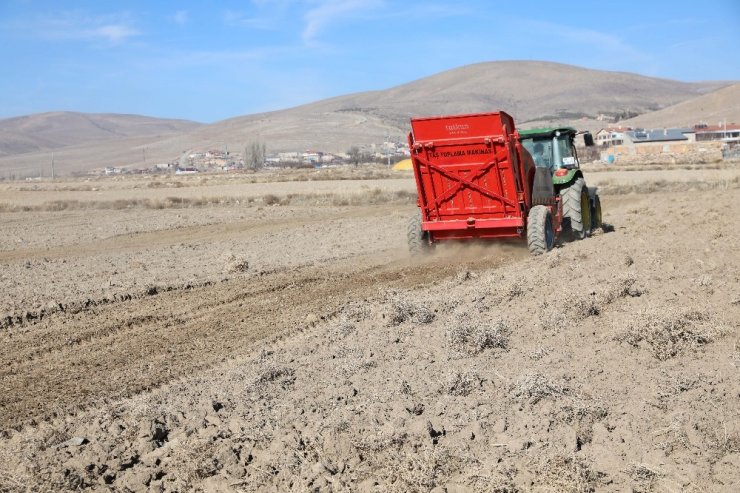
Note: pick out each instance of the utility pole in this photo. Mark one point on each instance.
(52, 165)
(388, 151)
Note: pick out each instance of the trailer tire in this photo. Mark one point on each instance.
(576, 209)
(540, 235)
(418, 239)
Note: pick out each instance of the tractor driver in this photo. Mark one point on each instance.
(539, 158)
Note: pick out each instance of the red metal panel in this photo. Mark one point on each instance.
(515, 222)
(459, 234)
(467, 167)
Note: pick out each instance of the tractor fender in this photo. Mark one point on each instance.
(566, 179)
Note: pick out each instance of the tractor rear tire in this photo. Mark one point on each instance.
(540, 235)
(576, 209)
(418, 239)
(596, 222)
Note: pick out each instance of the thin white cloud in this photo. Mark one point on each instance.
(665, 23)
(317, 15)
(173, 60)
(265, 14)
(274, 4)
(328, 12)
(76, 25)
(587, 38)
(429, 11)
(181, 17)
(219, 57)
(240, 19)
(113, 33)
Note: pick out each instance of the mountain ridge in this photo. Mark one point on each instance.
(536, 93)
(712, 108)
(57, 129)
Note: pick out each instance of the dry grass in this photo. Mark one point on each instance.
(552, 317)
(121, 204)
(422, 471)
(170, 184)
(283, 376)
(607, 188)
(472, 339)
(668, 334)
(402, 310)
(728, 443)
(535, 386)
(271, 199)
(12, 480)
(462, 383)
(94, 183)
(735, 356)
(339, 173)
(569, 474)
(676, 383)
(236, 263)
(674, 435)
(643, 474)
(373, 196)
(603, 168)
(582, 410)
(355, 311)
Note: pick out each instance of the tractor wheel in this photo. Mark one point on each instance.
(596, 214)
(540, 235)
(576, 209)
(418, 239)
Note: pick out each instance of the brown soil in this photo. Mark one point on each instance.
(300, 349)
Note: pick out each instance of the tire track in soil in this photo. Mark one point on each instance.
(75, 361)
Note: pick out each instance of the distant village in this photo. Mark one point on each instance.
(618, 143)
(691, 143)
(217, 160)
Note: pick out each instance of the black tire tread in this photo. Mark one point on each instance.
(417, 238)
(596, 219)
(571, 199)
(536, 225)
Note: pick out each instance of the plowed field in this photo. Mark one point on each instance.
(285, 341)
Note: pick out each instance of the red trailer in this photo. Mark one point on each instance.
(475, 180)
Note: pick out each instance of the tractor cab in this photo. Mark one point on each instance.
(551, 148)
(555, 150)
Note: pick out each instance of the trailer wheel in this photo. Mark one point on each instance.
(540, 235)
(576, 209)
(418, 239)
(596, 222)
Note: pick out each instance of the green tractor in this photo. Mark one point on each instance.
(554, 153)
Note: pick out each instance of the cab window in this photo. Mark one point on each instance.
(565, 152)
(541, 151)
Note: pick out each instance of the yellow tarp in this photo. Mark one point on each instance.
(402, 165)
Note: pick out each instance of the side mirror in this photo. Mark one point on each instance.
(588, 139)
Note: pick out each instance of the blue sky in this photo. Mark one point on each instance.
(207, 61)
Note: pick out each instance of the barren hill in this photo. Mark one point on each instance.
(533, 92)
(712, 108)
(46, 131)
